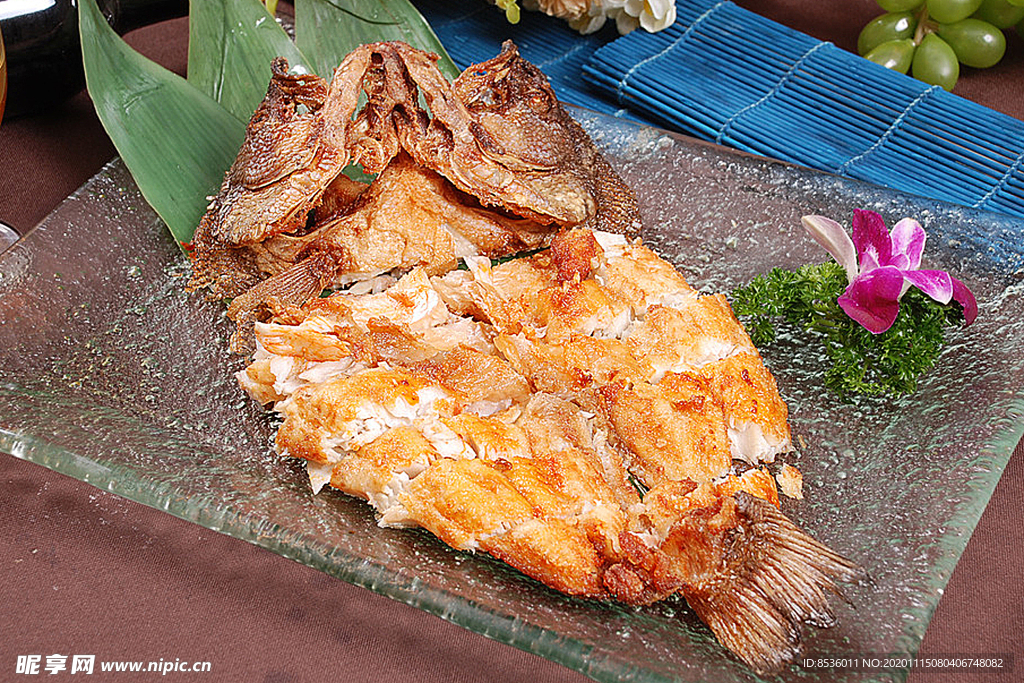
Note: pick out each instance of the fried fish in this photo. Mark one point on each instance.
(581, 413)
(495, 167)
(578, 414)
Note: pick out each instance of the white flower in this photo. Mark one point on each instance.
(588, 16)
(651, 15)
(592, 20)
(563, 9)
(658, 15)
(623, 21)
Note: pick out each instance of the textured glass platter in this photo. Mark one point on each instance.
(116, 376)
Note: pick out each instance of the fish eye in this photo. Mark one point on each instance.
(539, 101)
(485, 99)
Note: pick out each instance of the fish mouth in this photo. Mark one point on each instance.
(524, 157)
(513, 162)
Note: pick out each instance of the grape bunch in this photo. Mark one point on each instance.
(932, 38)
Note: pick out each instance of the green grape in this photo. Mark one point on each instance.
(1016, 3)
(948, 11)
(899, 5)
(976, 43)
(894, 54)
(892, 26)
(1000, 13)
(935, 63)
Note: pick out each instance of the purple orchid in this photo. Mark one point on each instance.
(882, 265)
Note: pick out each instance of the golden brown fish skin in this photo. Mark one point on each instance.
(574, 366)
(672, 433)
(497, 133)
(492, 438)
(411, 216)
(749, 393)
(500, 134)
(287, 160)
(558, 426)
(574, 254)
(548, 510)
(535, 444)
(472, 503)
(476, 376)
(316, 412)
(677, 338)
(367, 470)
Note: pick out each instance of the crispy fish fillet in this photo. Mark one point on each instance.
(576, 414)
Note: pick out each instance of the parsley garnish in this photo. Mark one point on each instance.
(804, 302)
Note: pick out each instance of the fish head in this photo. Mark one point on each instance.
(514, 115)
(528, 155)
(268, 188)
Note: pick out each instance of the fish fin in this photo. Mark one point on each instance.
(768, 579)
(225, 270)
(293, 287)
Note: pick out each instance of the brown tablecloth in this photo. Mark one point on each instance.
(86, 572)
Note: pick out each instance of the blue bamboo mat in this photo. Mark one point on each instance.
(728, 75)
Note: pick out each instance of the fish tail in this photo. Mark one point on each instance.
(767, 578)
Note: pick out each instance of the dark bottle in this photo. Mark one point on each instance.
(44, 55)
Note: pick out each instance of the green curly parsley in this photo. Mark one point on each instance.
(861, 362)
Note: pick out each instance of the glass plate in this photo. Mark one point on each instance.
(116, 376)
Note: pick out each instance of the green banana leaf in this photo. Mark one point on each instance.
(179, 137)
(327, 30)
(230, 46)
(176, 141)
